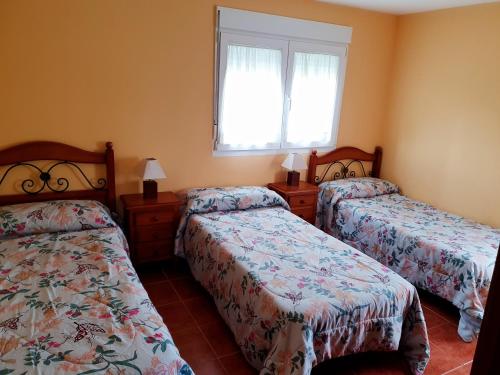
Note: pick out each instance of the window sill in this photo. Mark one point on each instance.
(281, 151)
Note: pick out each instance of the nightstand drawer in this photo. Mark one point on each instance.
(154, 217)
(155, 250)
(302, 200)
(154, 232)
(306, 213)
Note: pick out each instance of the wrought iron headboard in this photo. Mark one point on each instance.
(345, 158)
(46, 187)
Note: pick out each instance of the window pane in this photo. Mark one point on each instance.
(313, 94)
(252, 98)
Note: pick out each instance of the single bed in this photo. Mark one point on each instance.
(292, 295)
(445, 254)
(70, 300)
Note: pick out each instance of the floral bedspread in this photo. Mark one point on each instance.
(71, 303)
(294, 296)
(443, 253)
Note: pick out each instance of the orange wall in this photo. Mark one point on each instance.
(442, 140)
(139, 73)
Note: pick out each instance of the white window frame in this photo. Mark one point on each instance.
(329, 49)
(254, 29)
(249, 41)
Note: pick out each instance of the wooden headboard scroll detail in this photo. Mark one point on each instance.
(344, 153)
(61, 154)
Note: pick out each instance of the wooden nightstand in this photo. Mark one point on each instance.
(302, 199)
(151, 225)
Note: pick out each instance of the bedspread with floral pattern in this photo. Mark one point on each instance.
(294, 296)
(71, 303)
(437, 251)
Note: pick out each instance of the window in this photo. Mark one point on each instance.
(274, 91)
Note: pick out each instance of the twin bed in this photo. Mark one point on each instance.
(70, 300)
(444, 254)
(293, 296)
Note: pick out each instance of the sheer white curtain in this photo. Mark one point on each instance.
(252, 99)
(313, 96)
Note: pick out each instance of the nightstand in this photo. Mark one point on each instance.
(151, 225)
(302, 199)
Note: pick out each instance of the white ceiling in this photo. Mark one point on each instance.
(407, 6)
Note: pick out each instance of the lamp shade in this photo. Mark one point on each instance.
(153, 170)
(294, 162)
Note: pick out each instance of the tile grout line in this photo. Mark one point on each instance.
(159, 305)
(208, 341)
(182, 300)
(437, 325)
(229, 354)
(197, 325)
(441, 316)
(456, 368)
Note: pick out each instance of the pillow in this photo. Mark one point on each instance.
(53, 216)
(331, 192)
(361, 187)
(205, 200)
(231, 199)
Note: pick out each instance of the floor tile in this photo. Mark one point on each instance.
(236, 364)
(463, 370)
(192, 345)
(151, 273)
(225, 343)
(446, 337)
(176, 316)
(432, 319)
(440, 362)
(188, 287)
(440, 306)
(208, 367)
(161, 293)
(203, 310)
(176, 269)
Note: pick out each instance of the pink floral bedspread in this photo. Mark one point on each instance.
(294, 296)
(71, 303)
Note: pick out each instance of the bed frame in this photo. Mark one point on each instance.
(340, 162)
(48, 187)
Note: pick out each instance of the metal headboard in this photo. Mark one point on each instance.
(47, 187)
(346, 158)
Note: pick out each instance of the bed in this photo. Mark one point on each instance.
(445, 254)
(292, 295)
(70, 300)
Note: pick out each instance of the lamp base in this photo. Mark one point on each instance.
(149, 189)
(293, 178)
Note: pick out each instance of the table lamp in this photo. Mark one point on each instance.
(294, 162)
(152, 172)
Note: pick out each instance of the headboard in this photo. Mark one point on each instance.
(48, 187)
(344, 158)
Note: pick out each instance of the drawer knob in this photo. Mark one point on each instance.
(154, 219)
(302, 201)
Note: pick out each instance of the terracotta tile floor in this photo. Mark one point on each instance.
(195, 324)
